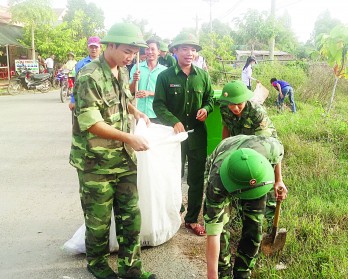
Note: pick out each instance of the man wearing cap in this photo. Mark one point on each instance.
(94, 49)
(241, 170)
(165, 58)
(102, 151)
(146, 77)
(183, 100)
(241, 116)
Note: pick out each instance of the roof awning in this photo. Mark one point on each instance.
(9, 34)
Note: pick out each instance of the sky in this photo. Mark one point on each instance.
(168, 18)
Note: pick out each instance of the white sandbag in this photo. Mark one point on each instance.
(260, 94)
(159, 188)
(76, 244)
(159, 183)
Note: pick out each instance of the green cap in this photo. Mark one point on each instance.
(247, 174)
(235, 92)
(163, 46)
(125, 33)
(185, 38)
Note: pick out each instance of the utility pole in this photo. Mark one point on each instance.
(197, 21)
(211, 16)
(272, 40)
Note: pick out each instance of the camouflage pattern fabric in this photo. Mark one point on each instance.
(219, 203)
(99, 96)
(106, 169)
(253, 121)
(99, 193)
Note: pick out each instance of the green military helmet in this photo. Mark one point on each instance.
(185, 38)
(163, 46)
(235, 92)
(125, 33)
(247, 174)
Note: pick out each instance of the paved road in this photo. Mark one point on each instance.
(39, 203)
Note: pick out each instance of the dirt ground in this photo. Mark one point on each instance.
(39, 202)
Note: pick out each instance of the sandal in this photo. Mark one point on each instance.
(198, 229)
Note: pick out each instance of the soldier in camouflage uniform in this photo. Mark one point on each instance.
(103, 153)
(241, 116)
(241, 170)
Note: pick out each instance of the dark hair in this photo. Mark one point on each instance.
(249, 60)
(273, 80)
(151, 41)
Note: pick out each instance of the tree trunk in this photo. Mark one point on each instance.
(332, 95)
(32, 43)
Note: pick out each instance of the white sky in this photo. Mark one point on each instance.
(167, 18)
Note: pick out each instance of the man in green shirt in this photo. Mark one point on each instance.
(240, 172)
(102, 151)
(165, 58)
(183, 99)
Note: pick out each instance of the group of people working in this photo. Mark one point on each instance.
(243, 171)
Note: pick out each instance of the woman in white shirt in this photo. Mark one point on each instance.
(248, 71)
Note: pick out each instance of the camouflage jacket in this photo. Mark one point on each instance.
(217, 198)
(99, 97)
(253, 121)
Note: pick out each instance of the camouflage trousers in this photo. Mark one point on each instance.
(99, 194)
(252, 214)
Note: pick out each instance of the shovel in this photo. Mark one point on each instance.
(273, 243)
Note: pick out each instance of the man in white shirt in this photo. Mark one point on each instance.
(49, 65)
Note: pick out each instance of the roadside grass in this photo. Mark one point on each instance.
(315, 213)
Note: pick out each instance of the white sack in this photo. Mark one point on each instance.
(159, 187)
(76, 244)
(260, 94)
(159, 183)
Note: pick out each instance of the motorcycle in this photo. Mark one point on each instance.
(26, 80)
(67, 85)
(58, 79)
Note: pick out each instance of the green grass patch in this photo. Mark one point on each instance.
(315, 213)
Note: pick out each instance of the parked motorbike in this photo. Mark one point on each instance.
(25, 80)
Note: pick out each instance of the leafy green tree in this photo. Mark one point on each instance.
(220, 28)
(59, 40)
(141, 23)
(33, 14)
(323, 25)
(89, 17)
(254, 31)
(215, 48)
(334, 48)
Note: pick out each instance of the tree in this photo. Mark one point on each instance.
(255, 29)
(218, 27)
(323, 25)
(89, 16)
(33, 14)
(334, 48)
(141, 23)
(59, 40)
(215, 48)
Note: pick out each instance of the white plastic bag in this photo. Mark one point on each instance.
(159, 183)
(260, 94)
(76, 244)
(159, 188)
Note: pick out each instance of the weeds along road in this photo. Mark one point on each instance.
(39, 201)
